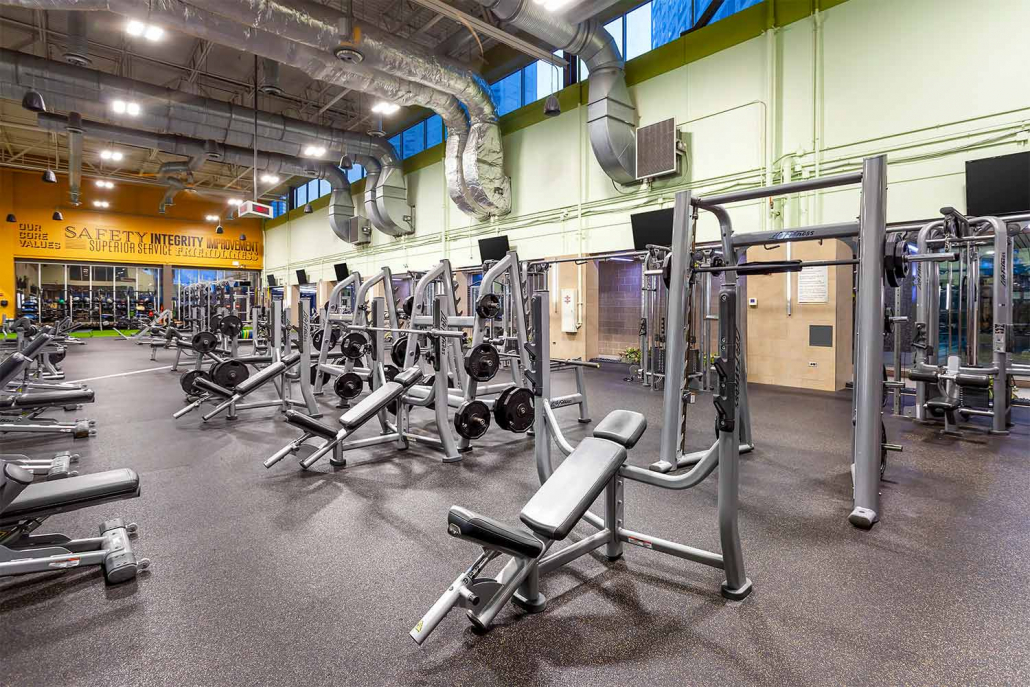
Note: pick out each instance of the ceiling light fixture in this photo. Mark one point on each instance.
(11, 218)
(235, 201)
(122, 107)
(270, 178)
(101, 204)
(314, 151)
(212, 218)
(149, 31)
(101, 183)
(308, 209)
(49, 177)
(113, 155)
(135, 28)
(243, 237)
(57, 216)
(153, 33)
(385, 108)
(219, 230)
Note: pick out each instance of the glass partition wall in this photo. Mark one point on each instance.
(94, 296)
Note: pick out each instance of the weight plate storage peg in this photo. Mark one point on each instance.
(186, 381)
(229, 373)
(517, 410)
(353, 345)
(488, 306)
(204, 342)
(348, 386)
(231, 326)
(482, 362)
(472, 419)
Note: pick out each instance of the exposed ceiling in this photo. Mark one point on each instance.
(198, 67)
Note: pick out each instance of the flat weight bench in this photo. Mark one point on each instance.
(366, 409)
(551, 513)
(23, 507)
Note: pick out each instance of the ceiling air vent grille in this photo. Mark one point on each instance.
(656, 149)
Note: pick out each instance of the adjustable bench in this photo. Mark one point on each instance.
(550, 515)
(233, 396)
(24, 505)
(366, 409)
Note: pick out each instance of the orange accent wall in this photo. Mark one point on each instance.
(130, 231)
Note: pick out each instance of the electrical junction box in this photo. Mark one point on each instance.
(568, 311)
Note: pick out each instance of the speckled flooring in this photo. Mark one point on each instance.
(281, 577)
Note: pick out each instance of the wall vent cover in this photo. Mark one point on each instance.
(656, 149)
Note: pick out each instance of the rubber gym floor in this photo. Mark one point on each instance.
(284, 577)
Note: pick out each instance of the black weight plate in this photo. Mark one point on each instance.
(186, 381)
(400, 350)
(667, 270)
(389, 371)
(348, 386)
(482, 362)
(229, 373)
(408, 306)
(488, 306)
(215, 323)
(519, 410)
(472, 419)
(231, 325)
(204, 342)
(314, 375)
(316, 339)
(57, 356)
(500, 416)
(883, 448)
(353, 345)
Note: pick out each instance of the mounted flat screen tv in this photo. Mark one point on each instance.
(493, 248)
(998, 185)
(652, 228)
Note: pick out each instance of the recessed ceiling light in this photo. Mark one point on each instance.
(270, 178)
(235, 201)
(212, 218)
(135, 28)
(314, 151)
(118, 106)
(385, 108)
(101, 204)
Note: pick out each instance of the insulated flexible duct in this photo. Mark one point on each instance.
(611, 115)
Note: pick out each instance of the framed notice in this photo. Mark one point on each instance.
(814, 285)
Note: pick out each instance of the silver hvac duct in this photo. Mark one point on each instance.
(611, 115)
(341, 206)
(77, 51)
(187, 167)
(271, 85)
(74, 128)
(317, 64)
(318, 27)
(65, 87)
(174, 186)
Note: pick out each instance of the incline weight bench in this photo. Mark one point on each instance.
(24, 507)
(366, 409)
(231, 397)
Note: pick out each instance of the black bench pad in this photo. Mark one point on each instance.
(624, 427)
(492, 534)
(310, 424)
(558, 505)
(205, 384)
(375, 401)
(46, 498)
(40, 399)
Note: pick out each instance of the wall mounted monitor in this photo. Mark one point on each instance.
(998, 185)
(341, 271)
(271, 280)
(652, 228)
(493, 248)
(302, 277)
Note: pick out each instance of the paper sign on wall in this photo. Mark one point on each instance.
(568, 311)
(814, 285)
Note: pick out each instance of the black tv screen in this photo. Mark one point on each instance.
(493, 248)
(271, 280)
(652, 228)
(341, 271)
(998, 185)
(302, 277)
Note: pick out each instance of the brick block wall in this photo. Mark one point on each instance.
(618, 306)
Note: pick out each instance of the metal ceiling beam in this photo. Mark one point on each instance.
(486, 29)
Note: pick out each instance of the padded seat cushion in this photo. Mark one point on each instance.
(624, 427)
(558, 505)
(39, 399)
(310, 424)
(46, 498)
(488, 532)
(378, 399)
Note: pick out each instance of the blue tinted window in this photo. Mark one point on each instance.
(355, 173)
(434, 131)
(638, 31)
(670, 18)
(414, 140)
(324, 189)
(300, 196)
(732, 7)
(507, 93)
